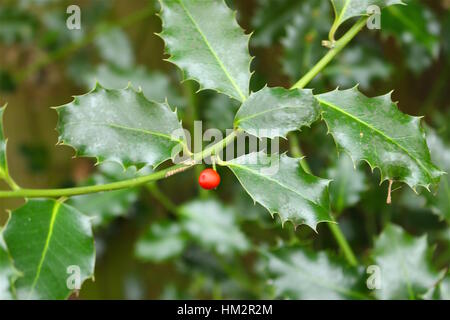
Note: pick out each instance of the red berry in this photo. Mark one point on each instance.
(209, 179)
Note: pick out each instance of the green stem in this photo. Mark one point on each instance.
(338, 46)
(86, 40)
(67, 192)
(294, 144)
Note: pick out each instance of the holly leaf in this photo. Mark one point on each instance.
(271, 18)
(213, 226)
(347, 184)
(280, 185)
(441, 291)
(205, 41)
(208, 223)
(347, 9)
(52, 244)
(162, 241)
(405, 265)
(374, 130)
(300, 274)
(120, 126)
(106, 206)
(274, 112)
(8, 273)
(303, 41)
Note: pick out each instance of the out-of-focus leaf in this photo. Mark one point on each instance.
(440, 153)
(215, 53)
(104, 207)
(115, 48)
(3, 160)
(7, 83)
(36, 155)
(347, 9)
(162, 241)
(405, 265)
(271, 19)
(303, 41)
(8, 273)
(281, 185)
(156, 86)
(347, 184)
(374, 130)
(297, 273)
(213, 226)
(56, 34)
(417, 30)
(274, 112)
(120, 126)
(52, 244)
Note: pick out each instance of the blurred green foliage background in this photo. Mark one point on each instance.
(144, 249)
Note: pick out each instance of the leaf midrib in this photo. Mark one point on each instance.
(118, 126)
(55, 212)
(230, 164)
(391, 140)
(213, 52)
(344, 8)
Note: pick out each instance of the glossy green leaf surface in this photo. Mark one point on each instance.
(49, 242)
(274, 112)
(162, 241)
(405, 265)
(347, 184)
(347, 9)
(297, 273)
(8, 273)
(205, 41)
(213, 226)
(281, 185)
(374, 130)
(120, 126)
